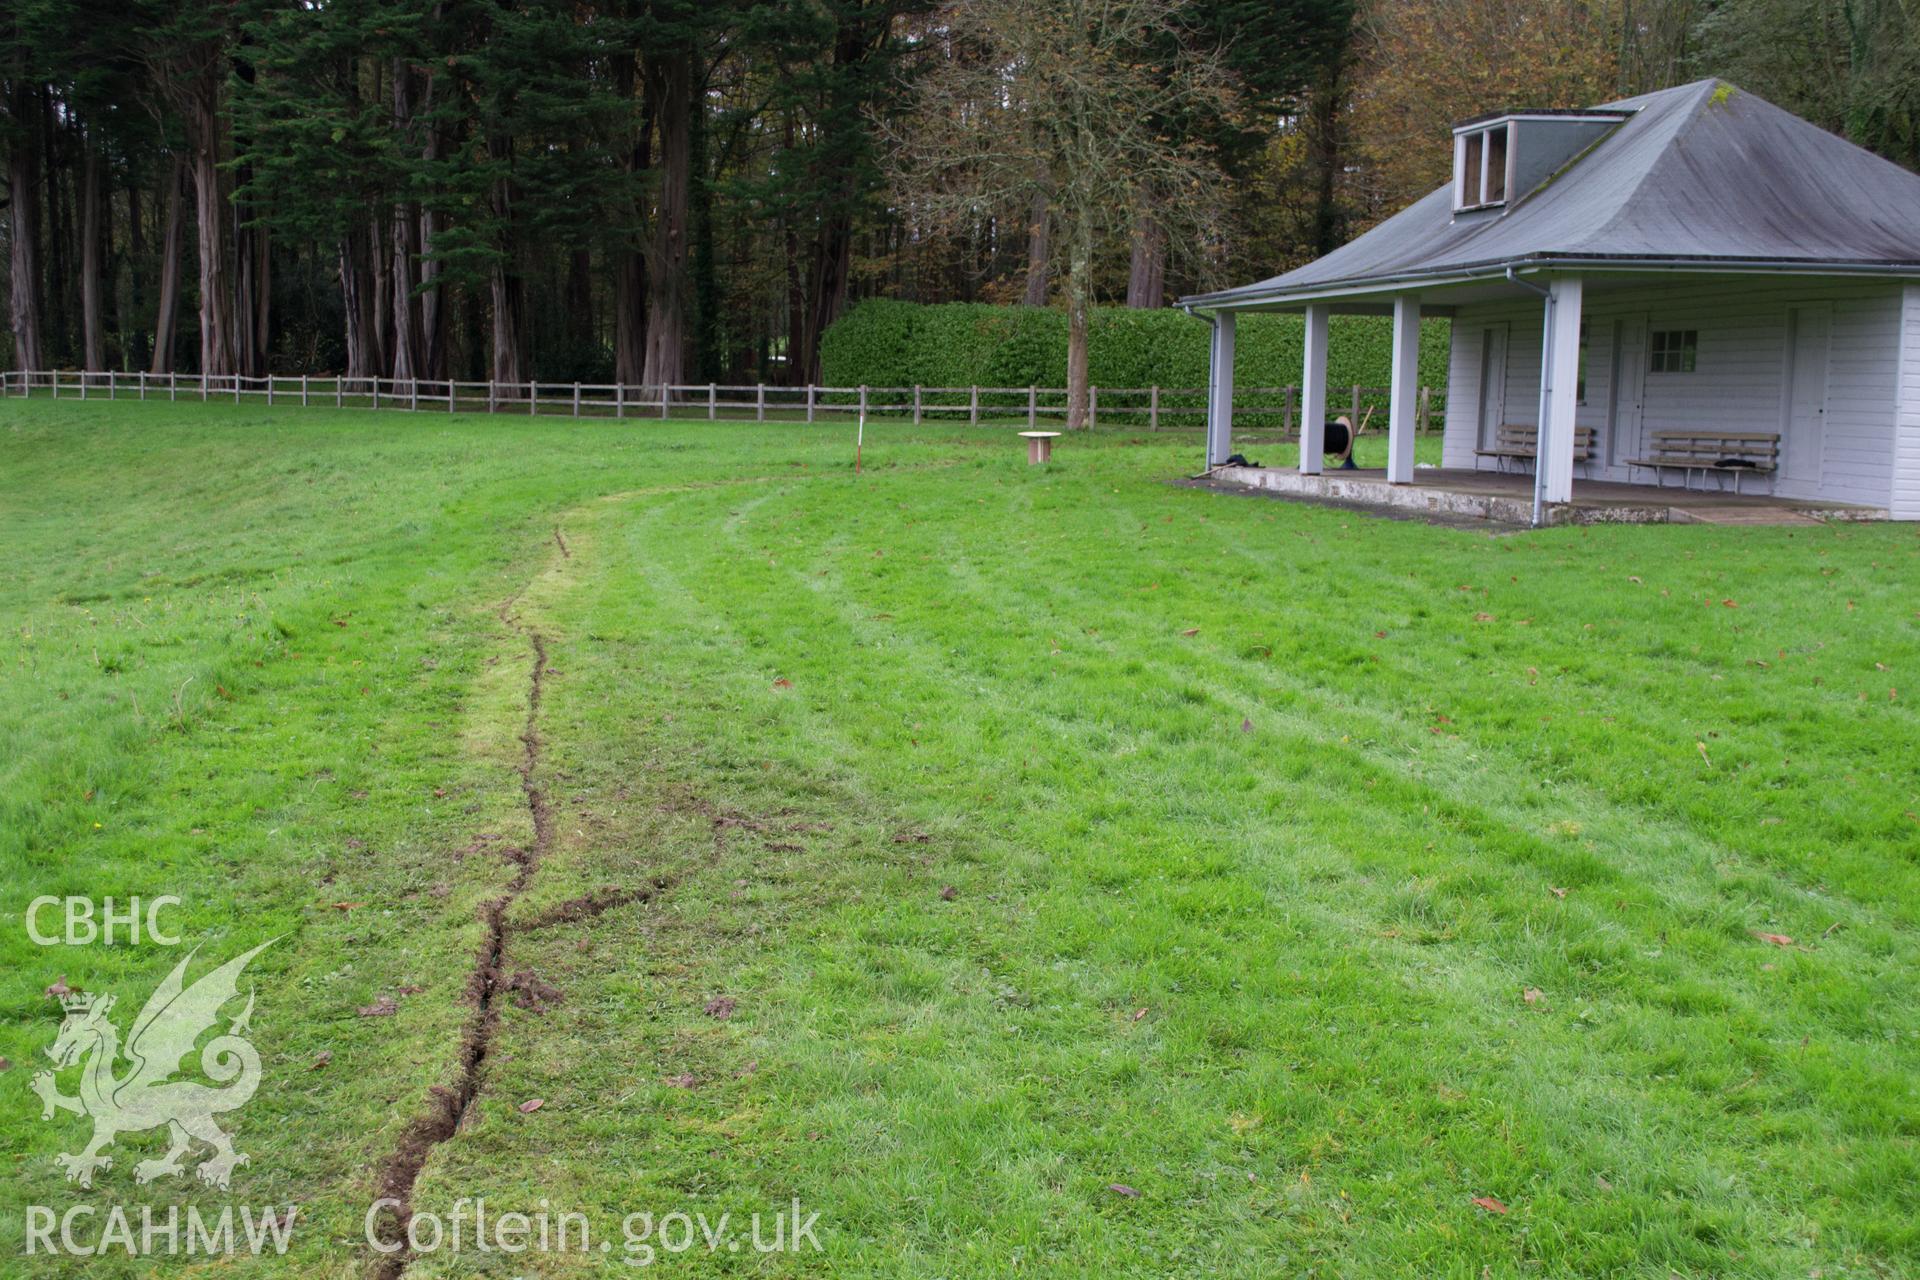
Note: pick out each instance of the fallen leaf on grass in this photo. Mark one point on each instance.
(321, 1059)
(1191, 631)
(384, 1007)
(1122, 1189)
(1483, 617)
(1556, 891)
(948, 893)
(685, 1080)
(1490, 1204)
(348, 906)
(720, 1007)
(1139, 1014)
(532, 1105)
(1532, 995)
(1246, 726)
(5, 1065)
(1777, 939)
(783, 683)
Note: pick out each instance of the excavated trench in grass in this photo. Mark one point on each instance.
(448, 1104)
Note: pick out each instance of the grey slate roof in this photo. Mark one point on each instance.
(1704, 174)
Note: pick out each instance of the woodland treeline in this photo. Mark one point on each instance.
(693, 190)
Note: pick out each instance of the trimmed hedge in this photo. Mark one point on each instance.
(883, 343)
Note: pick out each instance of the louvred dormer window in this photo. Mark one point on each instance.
(1480, 166)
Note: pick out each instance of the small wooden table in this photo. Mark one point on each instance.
(1039, 446)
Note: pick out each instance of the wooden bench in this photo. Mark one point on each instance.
(1732, 453)
(1518, 442)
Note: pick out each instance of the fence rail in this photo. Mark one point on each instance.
(1156, 408)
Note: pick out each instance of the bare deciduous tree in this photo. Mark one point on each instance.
(1024, 103)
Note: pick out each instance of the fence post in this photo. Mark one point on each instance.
(269, 391)
(916, 404)
(113, 385)
(666, 400)
(1287, 428)
(453, 390)
(173, 386)
(143, 384)
(413, 395)
(1356, 408)
(376, 391)
(760, 402)
(533, 399)
(973, 406)
(619, 401)
(1033, 405)
(1093, 406)
(490, 396)
(713, 401)
(809, 402)
(83, 384)
(863, 402)
(1153, 407)
(576, 399)
(1426, 408)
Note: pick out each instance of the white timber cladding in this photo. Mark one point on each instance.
(1906, 452)
(1739, 381)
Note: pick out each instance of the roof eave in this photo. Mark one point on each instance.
(1468, 273)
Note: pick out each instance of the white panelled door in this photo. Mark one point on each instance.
(1628, 386)
(1493, 383)
(1803, 424)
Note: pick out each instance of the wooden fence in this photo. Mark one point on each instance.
(1155, 408)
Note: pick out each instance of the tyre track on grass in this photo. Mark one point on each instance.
(448, 1104)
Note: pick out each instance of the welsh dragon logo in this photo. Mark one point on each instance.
(147, 1096)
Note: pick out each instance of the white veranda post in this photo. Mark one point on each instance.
(1404, 399)
(1220, 390)
(1564, 398)
(1313, 391)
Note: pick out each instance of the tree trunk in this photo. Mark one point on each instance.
(249, 297)
(93, 331)
(1324, 110)
(509, 363)
(670, 86)
(1147, 273)
(406, 227)
(509, 355)
(1039, 249)
(433, 305)
(357, 300)
(23, 194)
(128, 308)
(380, 264)
(217, 347)
(57, 234)
(1079, 307)
(629, 263)
(167, 307)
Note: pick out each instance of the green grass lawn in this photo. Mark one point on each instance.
(1031, 871)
